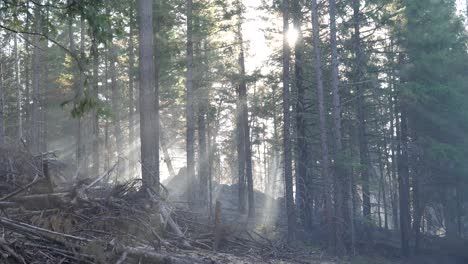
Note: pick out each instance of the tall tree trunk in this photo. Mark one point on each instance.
(244, 146)
(2, 114)
(94, 112)
(240, 155)
(19, 120)
(190, 109)
(362, 133)
(149, 99)
(290, 210)
(248, 162)
(107, 146)
(81, 145)
(71, 46)
(36, 79)
(387, 183)
(115, 99)
(27, 81)
(342, 213)
(248, 147)
(201, 102)
(131, 79)
(403, 180)
(202, 151)
(210, 145)
(326, 176)
(27, 94)
(394, 119)
(417, 209)
(301, 142)
(44, 80)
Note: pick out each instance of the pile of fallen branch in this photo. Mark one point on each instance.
(94, 222)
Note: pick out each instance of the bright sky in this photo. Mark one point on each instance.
(258, 51)
(253, 29)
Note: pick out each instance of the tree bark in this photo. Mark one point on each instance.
(94, 112)
(44, 80)
(393, 128)
(27, 89)
(36, 77)
(244, 146)
(202, 100)
(131, 79)
(107, 146)
(2, 114)
(149, 99)
(81, 145)
(326, 176)
(301, 142)
(290, 210)
(361, 115)
(342, 213)
(190, 113)
(115, 99)
(403, 180)
(19, 120)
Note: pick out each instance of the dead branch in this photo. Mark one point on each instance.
(20, 190)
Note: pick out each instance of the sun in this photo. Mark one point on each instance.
(292, 36)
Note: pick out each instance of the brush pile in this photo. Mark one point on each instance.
(96, 222)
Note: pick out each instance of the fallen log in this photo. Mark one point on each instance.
(43, 201)
(147, 254)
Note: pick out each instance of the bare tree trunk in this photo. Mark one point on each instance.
(190, 109)
(36, 79)
(301, 142)
(19, 120)
(403, 180)
(245, 156)
(2, 115)
(202, 151)
(81, 145)
(94, 113)
(240, 157)
(362, 137)
(417, 209)
(290, 210)
(45, 81)
(342, 213)
(131, 79)
(115, 98)
(107, 146)
(326, 176)
(201, 102)
(387, 183)
(27, 92)
(248, 163)
(393, 119)
(149, 99)
(241, 151)
(210, 168)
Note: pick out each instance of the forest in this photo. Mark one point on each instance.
(234, 131)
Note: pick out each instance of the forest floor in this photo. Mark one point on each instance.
(94, 221)
(43, 220)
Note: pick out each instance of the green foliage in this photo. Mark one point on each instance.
(435, 75)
